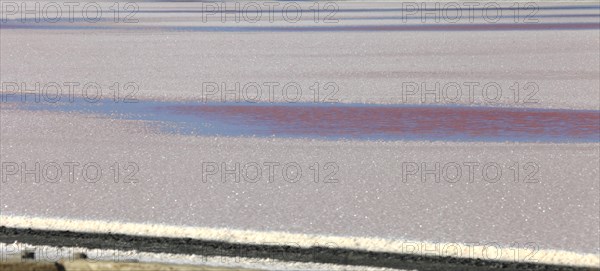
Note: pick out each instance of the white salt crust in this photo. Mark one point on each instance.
(302, 240)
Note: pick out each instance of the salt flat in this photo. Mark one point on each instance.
(539, 196)
(368, 198)
(549, 68)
